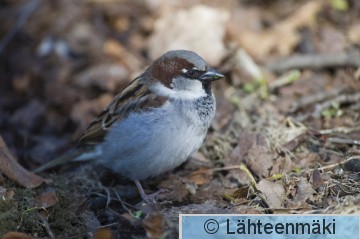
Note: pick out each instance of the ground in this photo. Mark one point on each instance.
(285, 138)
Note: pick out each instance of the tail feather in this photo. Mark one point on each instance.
(75, 155)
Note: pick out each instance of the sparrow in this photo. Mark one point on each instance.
(158, 121)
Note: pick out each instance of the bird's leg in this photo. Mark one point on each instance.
(144, 196)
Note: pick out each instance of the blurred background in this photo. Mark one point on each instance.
(290, 100)
(61, 62)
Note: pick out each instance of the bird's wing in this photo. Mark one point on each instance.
(136, 97)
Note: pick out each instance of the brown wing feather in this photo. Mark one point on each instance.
(135, 97)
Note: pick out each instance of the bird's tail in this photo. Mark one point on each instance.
(74, 155)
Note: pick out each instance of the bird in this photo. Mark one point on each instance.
(157, 121)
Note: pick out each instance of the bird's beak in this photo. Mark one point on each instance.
(211, 75)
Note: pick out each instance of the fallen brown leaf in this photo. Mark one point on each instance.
(304, 191)
(13, 170)
(175, 190)
(16, 235)
(354, 33)
(108, 77)
(84, 111)
(238, 196)
(282, 38)
(154, 225)
(103, 233)
(169, 29)
(273, 192)
(46, 199)
(260, 158)
(201, 176)
(265, 161)
(316, 179)
(117, 51)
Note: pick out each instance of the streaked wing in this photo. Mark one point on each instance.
(136, 97)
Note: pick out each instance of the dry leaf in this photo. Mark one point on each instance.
(108, 77)
(273, 192)
(199, 29)
(117, 51)
(201, 176)
(175, 189)
(240, 195)
(282, 38)
(260, 158)
(304, 191)
(265, 160)
(354, 33)
(13, 170)
(85, 111)
(46, 199)
(154, 225)
(16, 235)
(316, 179)
(103, 233)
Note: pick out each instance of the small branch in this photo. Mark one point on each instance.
(317, 61)
(343, 141)
(344, 130)
(46, 225)
(286, 79)
(312, 99)
(341, 99)
(250, 176)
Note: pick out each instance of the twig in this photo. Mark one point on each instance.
(327, 168)
(250, 177)
(46, 225)
(317, 61)
(118, 198)
(344, 130)
(343, 141)
(243, 60)
(335, 165)
(286, 79)
(123, 203)
(312, 99)
(341, 99)
(26, 12)
(225, 168)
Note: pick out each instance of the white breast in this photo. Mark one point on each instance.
(149, 143)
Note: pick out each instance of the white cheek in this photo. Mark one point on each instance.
(194, 90)
(162, 90)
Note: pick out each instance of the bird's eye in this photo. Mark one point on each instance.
(192, 73)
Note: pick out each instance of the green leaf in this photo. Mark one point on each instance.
(340, 5)
(250, 87)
